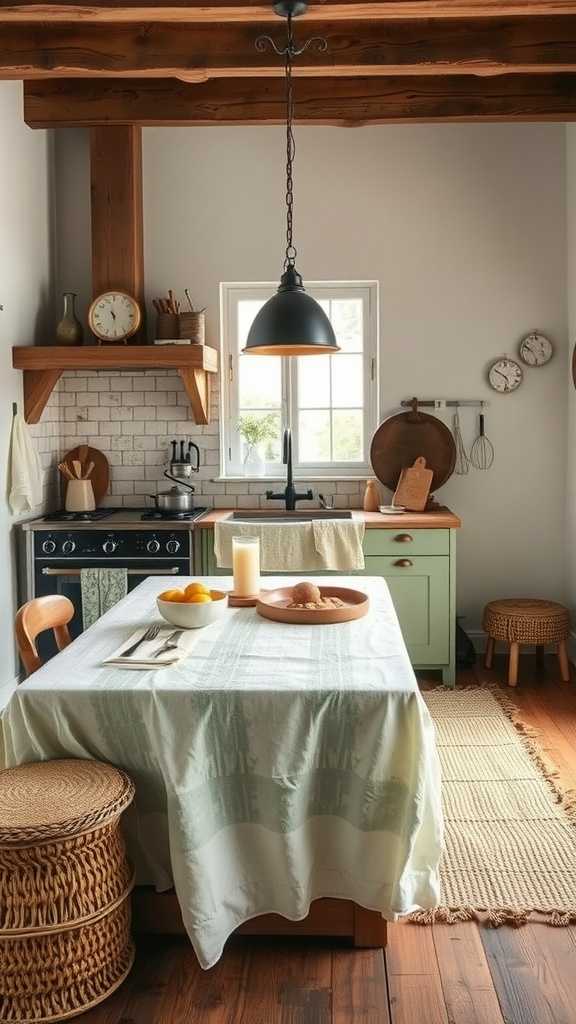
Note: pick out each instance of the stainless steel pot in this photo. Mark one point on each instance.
(174, 500)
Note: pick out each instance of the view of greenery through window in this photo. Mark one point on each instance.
(329, 391)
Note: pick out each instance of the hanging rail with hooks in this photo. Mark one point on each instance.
(443, 403)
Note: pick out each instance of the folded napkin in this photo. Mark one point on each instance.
(143, 657)
(101, 590)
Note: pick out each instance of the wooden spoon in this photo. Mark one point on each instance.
(65, 471)
(88, 469)
(77, 466)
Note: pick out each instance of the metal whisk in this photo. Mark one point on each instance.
(482, 451)
(462, 465)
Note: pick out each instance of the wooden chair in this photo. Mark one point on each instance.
(51, 612)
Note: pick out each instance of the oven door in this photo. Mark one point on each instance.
(52, 577)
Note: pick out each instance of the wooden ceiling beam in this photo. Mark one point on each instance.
(197, 11)
(331, 101)
(200, 52)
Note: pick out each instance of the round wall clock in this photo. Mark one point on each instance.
(114, 316)
(505, 375)
(536, 349)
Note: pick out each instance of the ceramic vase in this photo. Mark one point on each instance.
(69, 330)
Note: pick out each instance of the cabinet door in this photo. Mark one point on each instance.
(421, 595)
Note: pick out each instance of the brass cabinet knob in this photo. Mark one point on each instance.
(403, 563)
(404, 538)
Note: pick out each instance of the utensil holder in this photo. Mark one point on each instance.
(182, 325)
(80, 496)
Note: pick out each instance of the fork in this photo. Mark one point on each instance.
(170, 643)
(150, 634)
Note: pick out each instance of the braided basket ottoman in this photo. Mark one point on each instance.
(530, 621)
(65, 881)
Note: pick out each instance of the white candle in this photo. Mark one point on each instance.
(246, 566)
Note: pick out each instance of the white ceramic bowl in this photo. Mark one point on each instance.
(193, 616)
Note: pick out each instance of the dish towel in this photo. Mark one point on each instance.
(338, 544)
(101, 590)
(25, 469)
(296, 547)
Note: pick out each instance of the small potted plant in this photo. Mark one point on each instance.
(256, 430)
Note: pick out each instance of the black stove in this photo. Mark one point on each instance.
(179, 517)
(62, 516)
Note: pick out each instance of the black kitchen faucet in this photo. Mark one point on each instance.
(289, 495)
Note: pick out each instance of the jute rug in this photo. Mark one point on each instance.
(510, 834)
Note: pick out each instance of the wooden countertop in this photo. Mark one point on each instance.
(440, 519)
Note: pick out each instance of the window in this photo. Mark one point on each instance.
(329, 402)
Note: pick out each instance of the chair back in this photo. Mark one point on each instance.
(51, 612)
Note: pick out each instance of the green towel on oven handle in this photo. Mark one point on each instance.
(101, 590)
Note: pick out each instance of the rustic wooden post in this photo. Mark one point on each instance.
(117, 211)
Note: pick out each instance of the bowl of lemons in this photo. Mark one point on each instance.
(193, 606)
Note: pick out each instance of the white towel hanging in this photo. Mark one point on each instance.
(25, 469)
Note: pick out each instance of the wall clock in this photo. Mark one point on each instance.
(114, 316)
(505, 375)
(536, 349)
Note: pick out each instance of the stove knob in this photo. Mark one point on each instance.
(153, 547)
(109, 547)
(68, 547)
(173, 546)
(49, 547)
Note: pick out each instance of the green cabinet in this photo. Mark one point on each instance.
(419, 566)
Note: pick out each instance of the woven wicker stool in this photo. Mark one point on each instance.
(521, 620)
(64, 889)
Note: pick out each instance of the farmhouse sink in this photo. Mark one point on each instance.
(281, 516)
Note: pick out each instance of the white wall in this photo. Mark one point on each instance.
(570, 546)
(464, 227)
(26, 297)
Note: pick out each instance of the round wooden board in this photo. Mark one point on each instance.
(100, 475)
(401, 439)
(273, 605)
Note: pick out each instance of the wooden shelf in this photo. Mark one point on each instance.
(43, 366)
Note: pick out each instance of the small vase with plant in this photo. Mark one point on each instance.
(256, 431)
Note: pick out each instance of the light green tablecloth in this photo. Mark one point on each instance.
(274, 765)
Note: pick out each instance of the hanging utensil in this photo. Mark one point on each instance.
(462, 465)
(482, 451)
(182, 458)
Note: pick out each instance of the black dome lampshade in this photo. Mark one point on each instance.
(291, 323)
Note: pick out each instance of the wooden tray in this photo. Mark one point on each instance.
(401, 439)
(273, 605)
(100, 476)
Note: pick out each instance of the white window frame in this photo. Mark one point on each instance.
(231, 293)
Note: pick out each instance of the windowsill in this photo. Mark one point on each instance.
(310, 478)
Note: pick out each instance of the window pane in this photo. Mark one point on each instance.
(346, 317)
(263, 430)
(247, 309)
(314, 382)
(314, 436)
(260, 385)
(347, 382)
(347, 435)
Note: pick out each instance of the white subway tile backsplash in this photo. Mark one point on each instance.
(133, 417)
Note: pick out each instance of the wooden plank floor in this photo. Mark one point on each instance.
(461, 974)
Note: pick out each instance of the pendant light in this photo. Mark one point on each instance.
(291, 323)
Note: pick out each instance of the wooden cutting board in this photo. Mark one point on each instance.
(100, 475)
(414, 486)
(400, 439)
